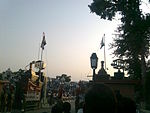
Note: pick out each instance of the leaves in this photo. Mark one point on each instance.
(133, 41)
(105, 9)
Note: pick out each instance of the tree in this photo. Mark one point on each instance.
(134, 68)
(133, 41)
(66, 78)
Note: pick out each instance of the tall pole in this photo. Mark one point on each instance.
(93, 74)
(45, 79)
(39, 51)
(41, 54)
(104, 52)
(41, 65)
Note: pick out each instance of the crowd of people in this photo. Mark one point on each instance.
(6, 98)
(11, 97)
(99, 98)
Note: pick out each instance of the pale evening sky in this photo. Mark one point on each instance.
(72, 35)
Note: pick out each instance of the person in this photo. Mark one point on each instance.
(3, 99)
(55, 109)
(66, 107)
(77, 99)
(100, 99)
(51, 99)
(9, 98)
(81, 106)
(126, 105)
(77, 103)
(58, 107)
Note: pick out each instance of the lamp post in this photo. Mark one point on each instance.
(94, 60)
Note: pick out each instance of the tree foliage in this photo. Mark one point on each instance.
(64, 78)
(133, 41)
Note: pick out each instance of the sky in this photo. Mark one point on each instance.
(72, 32)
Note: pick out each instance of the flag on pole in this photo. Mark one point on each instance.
(102, 42)
(43, 41)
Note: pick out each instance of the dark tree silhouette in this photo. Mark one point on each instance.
(134, 31)
(133, 41)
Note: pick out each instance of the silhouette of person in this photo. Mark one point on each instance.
(4, 97)
(54, 109)
(58, 107)
(126, 105)
(81, 106)
(77, 103)
(3, 102)
(66, 107)
(100, 99)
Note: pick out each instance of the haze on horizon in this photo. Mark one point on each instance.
(72, 35)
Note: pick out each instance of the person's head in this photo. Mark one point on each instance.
(127, 105)
(66, 107)
(56, 109)
(100, 99)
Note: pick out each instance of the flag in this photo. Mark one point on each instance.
(102, 42)
(43, 41)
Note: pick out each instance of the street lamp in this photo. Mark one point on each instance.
(94, 60)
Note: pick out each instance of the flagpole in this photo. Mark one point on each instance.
(41, 54)
(39, 51)
(104, 52)
(42, 48)
(45, 79)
